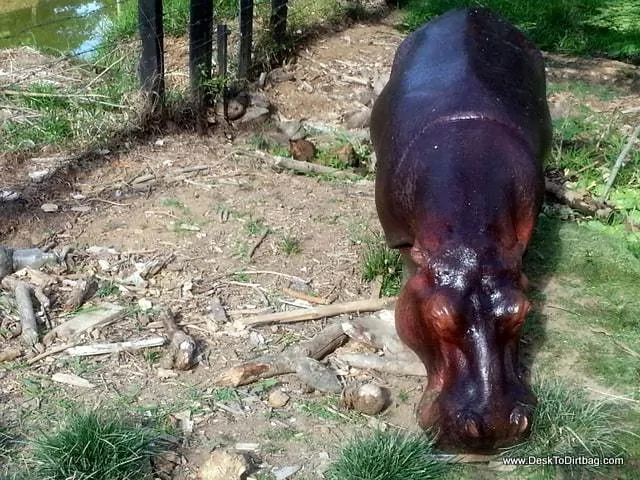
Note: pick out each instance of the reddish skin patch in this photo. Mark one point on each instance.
(460, 133)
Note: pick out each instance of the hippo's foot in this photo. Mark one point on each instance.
(427, 410)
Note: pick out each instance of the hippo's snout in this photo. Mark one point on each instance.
(480, 430)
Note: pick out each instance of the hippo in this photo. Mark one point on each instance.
(461, 132)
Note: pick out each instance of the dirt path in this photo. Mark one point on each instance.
(209, 220)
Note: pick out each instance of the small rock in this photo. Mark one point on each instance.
(217, 311)
(145, 304)
(159, 142)
(164, 373)
(368, 398)
(279, 75)
(380, 83)
(222, 465)
(358, 119)
(292, 129)
(283, 473)
(255, 114)
(256, 339)
(184, 421)
(9, 196)
(366, 97)
(262, 80)
(302, 150)
(257, 100)
(39, 175)
(9, 354)
(81, 209)
(49, 207)
(278, 399)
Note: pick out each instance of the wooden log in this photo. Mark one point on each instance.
(152, 58)
(284, 163)
(246, 39)
(369, 305)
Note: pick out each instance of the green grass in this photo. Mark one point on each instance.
(566, 423)
(92, 446)
(581, 27)
(291, 245)
(379, 261)
(387, 456)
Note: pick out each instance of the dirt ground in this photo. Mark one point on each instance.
(209, 219)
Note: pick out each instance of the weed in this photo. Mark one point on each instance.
(403, 396)
(226, 394)
(107, 289)
(291, 245)
(255, 227)
(173, 203)
(264, 385)
(152, 356)
(93, 445)
(388, 456)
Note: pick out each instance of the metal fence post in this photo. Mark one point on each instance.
(152, 59)
(278, 21)
(246, 34)
(200, 48)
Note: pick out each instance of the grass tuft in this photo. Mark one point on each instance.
(381, 261)
(95, 446)
(387, 456)
(566, 423)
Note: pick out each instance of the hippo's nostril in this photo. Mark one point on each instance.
(471, 427)
(519, 420)
(470, 424)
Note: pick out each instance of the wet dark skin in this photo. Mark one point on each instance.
(460, 134)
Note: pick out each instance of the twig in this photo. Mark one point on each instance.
(94, 80)
(258, 243)
(49, 95)
(114, 347)
(370, 305)
(305, 297)
(52, 351)
(270, 272)
(619, 161)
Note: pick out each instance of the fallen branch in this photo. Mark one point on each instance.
(51, 351)
(115, 347)
(302, 360)
(577, 201)
(619, 161)
(370, 305)
(182, 345)
(99, 316)
(283, 163)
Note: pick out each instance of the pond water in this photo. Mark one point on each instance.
(62, 25)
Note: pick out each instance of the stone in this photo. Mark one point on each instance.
(358, 119)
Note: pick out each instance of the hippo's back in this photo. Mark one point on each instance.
(465, 63)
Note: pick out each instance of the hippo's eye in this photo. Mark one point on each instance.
(440, 311)
(516, 315)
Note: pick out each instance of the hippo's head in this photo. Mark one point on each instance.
(463, 316)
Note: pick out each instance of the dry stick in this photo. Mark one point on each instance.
(270, 272)
(577, 201)
(305, 297)
(52, 351)
(302, 360)
(258, 243)
(183, 345)
(279, 163)
(618, 164)
(370, 305)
